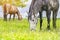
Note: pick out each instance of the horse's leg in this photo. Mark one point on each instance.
(18, 16)
(10, 17)
(5, 17)
(13, 16)
(40, 13)
(48, 18)
(54, 18)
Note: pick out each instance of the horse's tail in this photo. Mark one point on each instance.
(4, 8)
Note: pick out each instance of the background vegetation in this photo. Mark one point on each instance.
(20, 3)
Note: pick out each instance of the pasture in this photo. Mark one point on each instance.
(19, 30)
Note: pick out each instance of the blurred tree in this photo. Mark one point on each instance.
(20, 3)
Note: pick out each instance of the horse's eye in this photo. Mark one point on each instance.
(32, 20)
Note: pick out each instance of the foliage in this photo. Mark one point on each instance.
(19, 30)
(20, 3)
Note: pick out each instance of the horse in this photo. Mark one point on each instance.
(37, 6)
(12, 10)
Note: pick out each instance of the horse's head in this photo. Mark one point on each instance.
(32, 20)
(20, 17)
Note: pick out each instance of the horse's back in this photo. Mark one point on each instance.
(54, 4)
(13, 9)
(38, 4)
(10, 9)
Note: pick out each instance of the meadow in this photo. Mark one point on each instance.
(19, 30)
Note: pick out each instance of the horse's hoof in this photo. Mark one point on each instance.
(54, 27)
(40, 28)
(48, 28)
(5, 19)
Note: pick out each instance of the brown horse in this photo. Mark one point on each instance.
(12, 10)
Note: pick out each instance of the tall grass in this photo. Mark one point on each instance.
(19, 30)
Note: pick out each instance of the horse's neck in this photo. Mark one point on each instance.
(18, 12)
(31, 6)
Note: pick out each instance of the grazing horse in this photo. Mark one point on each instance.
(12, 10)
(39, 6)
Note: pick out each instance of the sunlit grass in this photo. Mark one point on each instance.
(19, 30)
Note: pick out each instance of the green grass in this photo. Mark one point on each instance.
(19, 30)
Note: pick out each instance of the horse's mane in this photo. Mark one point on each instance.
(32, 3)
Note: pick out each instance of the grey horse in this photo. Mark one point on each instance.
(39, 6)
